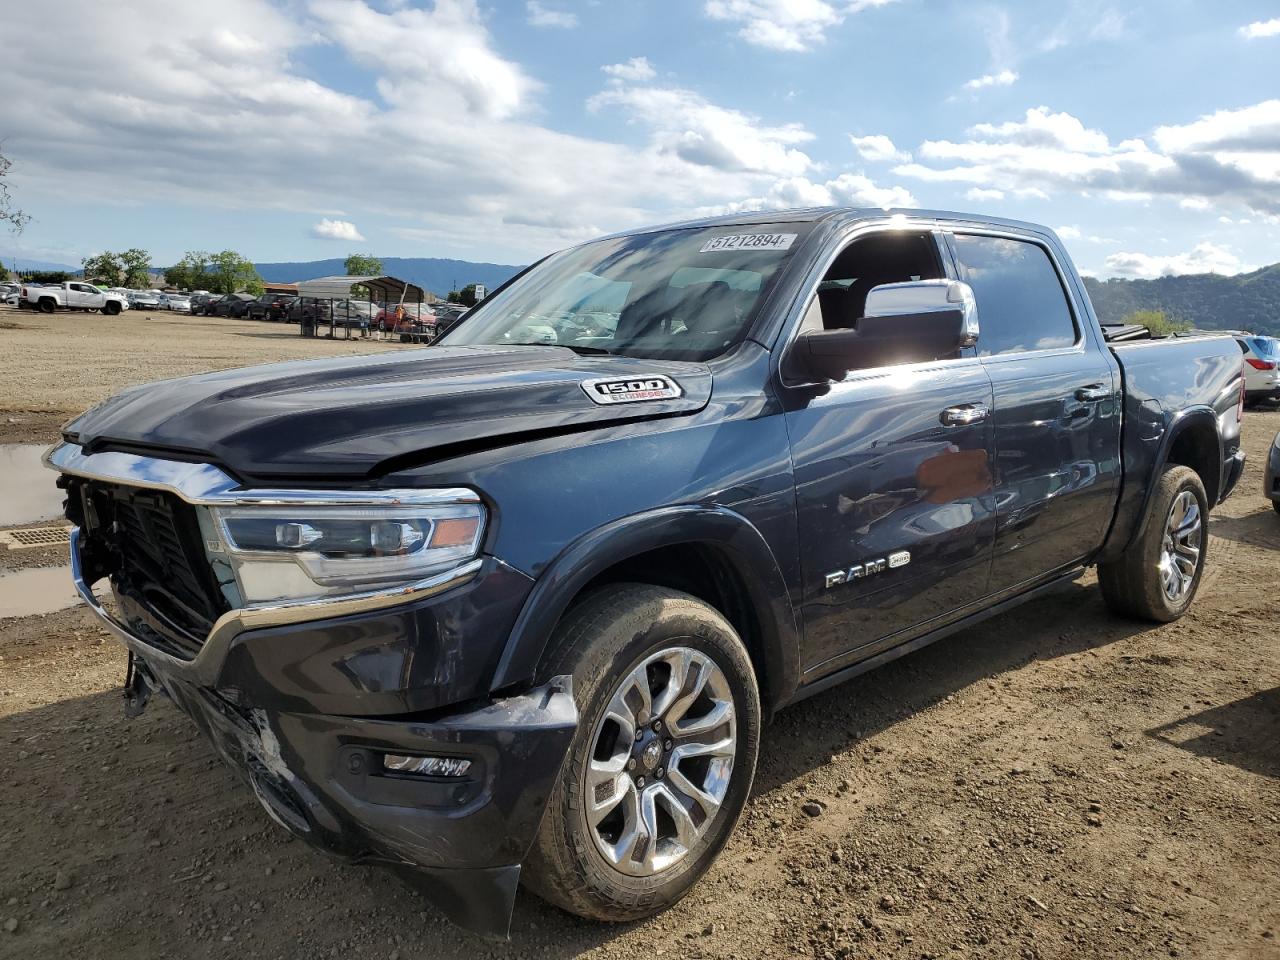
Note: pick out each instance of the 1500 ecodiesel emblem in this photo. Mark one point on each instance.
(632, 389)
(899, 558)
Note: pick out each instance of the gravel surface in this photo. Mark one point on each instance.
(1052, 783)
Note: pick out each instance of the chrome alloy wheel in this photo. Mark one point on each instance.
(1180, 547)
(661, 760)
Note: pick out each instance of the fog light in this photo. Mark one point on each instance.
(426, 766)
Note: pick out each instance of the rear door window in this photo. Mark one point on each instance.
(1021, 303)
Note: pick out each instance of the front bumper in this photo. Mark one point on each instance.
(321, 776)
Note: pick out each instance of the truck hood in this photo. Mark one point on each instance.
(357, 418)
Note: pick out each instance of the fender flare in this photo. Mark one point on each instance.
(1182, 422)
(737, 540)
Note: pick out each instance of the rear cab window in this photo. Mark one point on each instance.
(1022, 305)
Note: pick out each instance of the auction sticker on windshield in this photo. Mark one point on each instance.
(632, 389)
(750, 241)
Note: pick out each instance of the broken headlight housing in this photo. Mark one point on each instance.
(285, 552)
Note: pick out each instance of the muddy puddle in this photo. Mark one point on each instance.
(27, 491)
(37, 590)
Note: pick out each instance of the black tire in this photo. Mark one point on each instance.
(600, 642)
(1276, 505)
(1133, 585)
(111, 308)
(48, 305)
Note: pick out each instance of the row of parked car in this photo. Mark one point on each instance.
(413, 323)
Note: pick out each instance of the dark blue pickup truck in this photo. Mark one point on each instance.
(515, 607)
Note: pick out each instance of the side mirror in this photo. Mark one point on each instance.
(910, 322)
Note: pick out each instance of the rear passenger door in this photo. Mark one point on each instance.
(1056, 411)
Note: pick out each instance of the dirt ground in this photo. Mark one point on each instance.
(59, 364)
(1053, 783)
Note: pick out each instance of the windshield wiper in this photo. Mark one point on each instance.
(576, 348)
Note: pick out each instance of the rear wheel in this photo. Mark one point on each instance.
(1276, 505)
(1156, 578)
(662, 762)
(48, 305)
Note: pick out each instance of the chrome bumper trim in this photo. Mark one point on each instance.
(204, 668)
(205, 484)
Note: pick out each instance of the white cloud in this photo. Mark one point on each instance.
(846, 190)
(635, 70)
(1070, 232)
(540, 15)
(1204, 258)
(1261, 29)
(446, 58)
(687, 126)
(1229, 158)
(877, 148)
(790, 25)
(221, 112)
(979, 194)
(328, 229)
(1005, 78)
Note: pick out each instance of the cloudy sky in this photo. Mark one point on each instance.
(1147, 134)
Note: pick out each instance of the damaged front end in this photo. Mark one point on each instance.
(362, 721)
(456, 837)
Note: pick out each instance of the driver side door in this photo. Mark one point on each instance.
(893, 474)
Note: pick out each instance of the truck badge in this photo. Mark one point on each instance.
(899, 558)
(632, 390)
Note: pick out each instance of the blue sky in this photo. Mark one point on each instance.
(1147, 133)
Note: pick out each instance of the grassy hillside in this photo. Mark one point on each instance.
(1248, 301)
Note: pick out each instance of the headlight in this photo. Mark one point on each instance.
(301, 552)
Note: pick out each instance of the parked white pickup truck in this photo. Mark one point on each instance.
(71, 296)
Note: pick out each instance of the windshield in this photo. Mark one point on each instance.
(677, 294)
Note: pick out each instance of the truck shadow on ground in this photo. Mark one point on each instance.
(178, 848)
(1244, 733)
(1259, 529)
(1065, 622)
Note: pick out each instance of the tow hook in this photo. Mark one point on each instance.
(137, 688)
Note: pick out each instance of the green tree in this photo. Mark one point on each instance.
(466, 296)
(105, 269)
(137, 268)
(45, 276)
(9, 214)
(358, 265)
(189, 273)
(1157, 321)
(231, 273)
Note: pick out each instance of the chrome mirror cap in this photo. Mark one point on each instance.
(926, 296)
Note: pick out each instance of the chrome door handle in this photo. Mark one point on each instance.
(964, 414)
(1094, 391)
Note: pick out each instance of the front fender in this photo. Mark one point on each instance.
(590, 555)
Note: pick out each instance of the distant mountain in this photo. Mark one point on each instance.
(19, 264)
(1247, 301)
(438, 276)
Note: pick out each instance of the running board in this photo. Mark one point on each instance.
(911, 646)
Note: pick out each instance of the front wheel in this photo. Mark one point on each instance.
(1156, 578)
(662, 761)
(111, 308)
